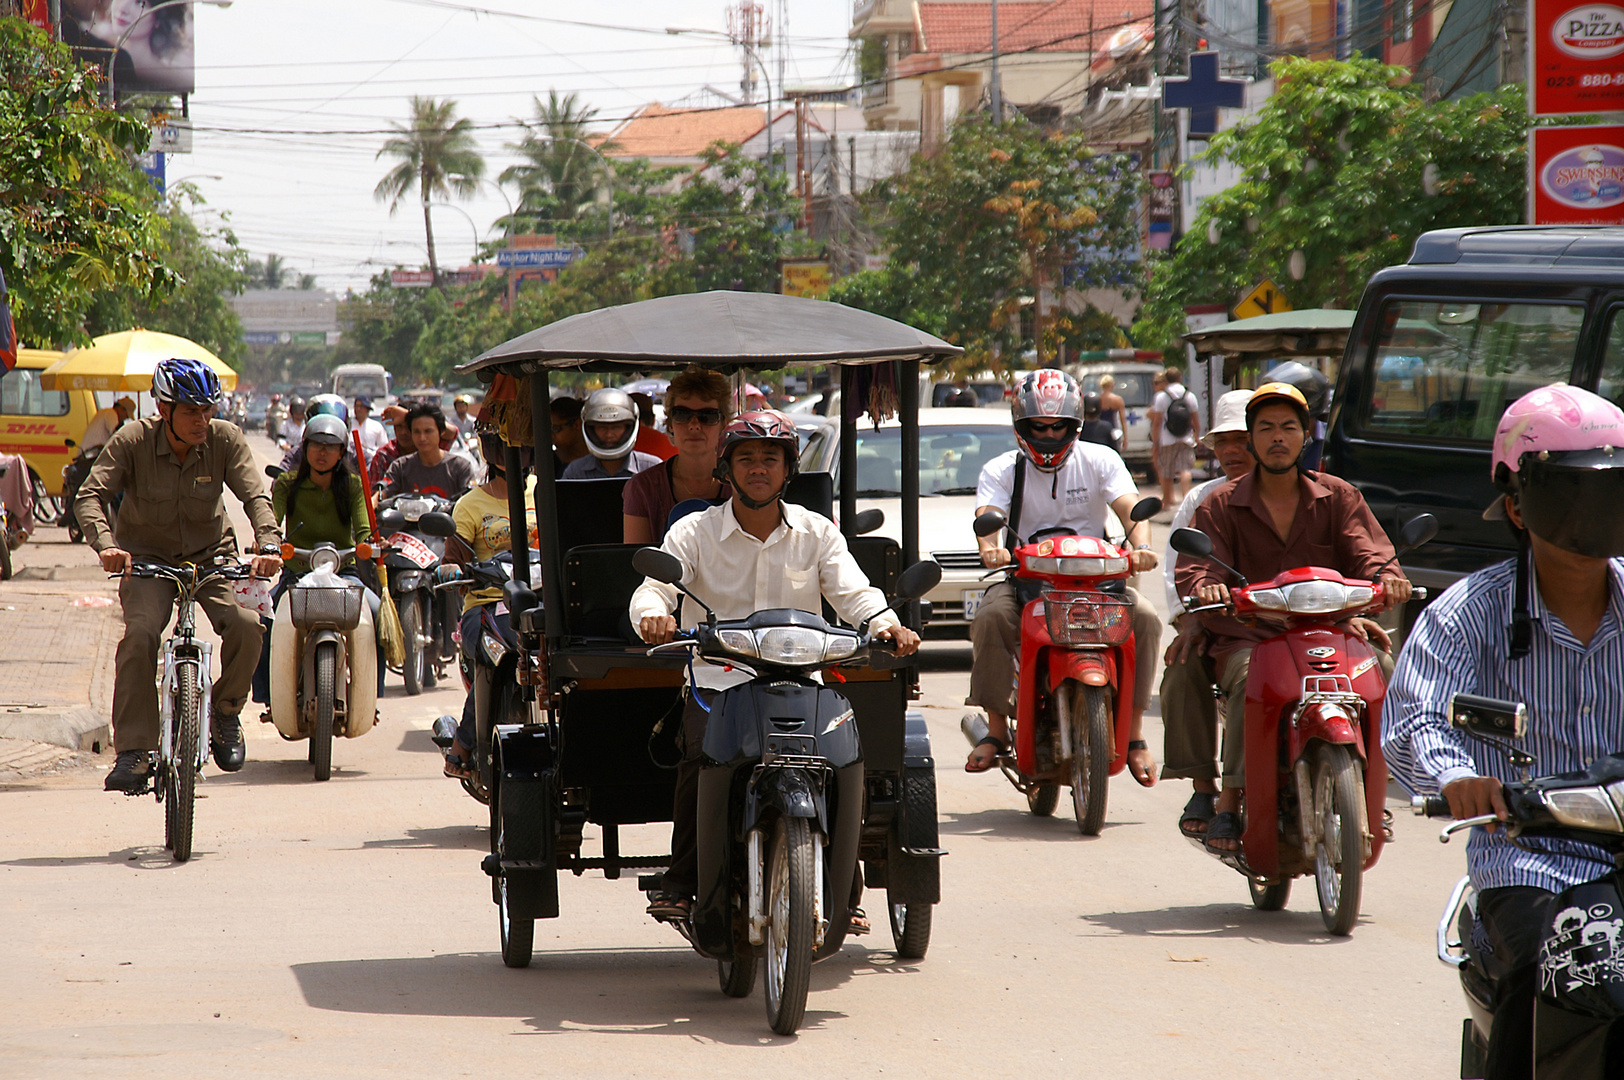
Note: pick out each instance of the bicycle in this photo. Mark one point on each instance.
(184, 700)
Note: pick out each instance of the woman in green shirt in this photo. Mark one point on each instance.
(320, 502)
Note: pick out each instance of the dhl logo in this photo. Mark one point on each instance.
(20, 428)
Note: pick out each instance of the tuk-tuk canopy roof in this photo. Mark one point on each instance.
(1314, 332)
(725, 330)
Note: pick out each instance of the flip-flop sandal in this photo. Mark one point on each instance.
(459, 769)
(986, 740)
(859, 923)
(1223, 826)
(669, 905)
(1198, 811)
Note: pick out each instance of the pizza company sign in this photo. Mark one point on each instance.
(1572, 49)
(1578, 175)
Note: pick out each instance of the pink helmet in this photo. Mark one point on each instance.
(1559, 451)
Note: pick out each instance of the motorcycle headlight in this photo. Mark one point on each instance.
(1043, 566)
(790, 645)
(1092, 567)
(839, 646)
(1324, 597)
(1269, 599)
(324, 559)
(414, 509)
(1584, 808)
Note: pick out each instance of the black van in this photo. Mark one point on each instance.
(1442, 345)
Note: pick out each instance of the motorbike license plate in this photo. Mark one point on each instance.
(972, 602)
(414, 549)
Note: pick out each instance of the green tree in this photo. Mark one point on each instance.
(76, 216)
(559, 173)
(733, 219)
(207, 266)
(1347, 164)
(269, 273)
(437, 157)
(1030, 214)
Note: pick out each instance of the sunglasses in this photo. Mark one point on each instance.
(1037, 428)
(682, 414)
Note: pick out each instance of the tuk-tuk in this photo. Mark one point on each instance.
(579, 752)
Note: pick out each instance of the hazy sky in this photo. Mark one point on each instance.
(292, 94)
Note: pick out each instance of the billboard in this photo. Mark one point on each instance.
(1577, 175)
(809, 279)
(1577, 58)
(153, 42)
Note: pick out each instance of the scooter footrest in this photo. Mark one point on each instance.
(650, 882)
(625, 862)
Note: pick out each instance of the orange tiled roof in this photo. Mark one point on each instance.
(659, 132)
(1032, 25)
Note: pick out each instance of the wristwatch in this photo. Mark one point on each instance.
(268, 549)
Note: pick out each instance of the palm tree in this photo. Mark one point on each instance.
(438, 156)
(270, 274)
(559, 174)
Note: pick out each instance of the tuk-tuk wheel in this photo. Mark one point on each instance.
(910, 929)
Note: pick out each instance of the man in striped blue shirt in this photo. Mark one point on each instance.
(1545, 629)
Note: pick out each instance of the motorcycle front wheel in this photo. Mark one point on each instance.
(411, 628)
(1091, 752)
(1339, 856)
(321, 736)
(792, 913)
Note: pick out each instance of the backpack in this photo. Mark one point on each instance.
(1179, 414)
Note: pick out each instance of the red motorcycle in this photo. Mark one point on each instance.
(1313, 732)
(1074, 685)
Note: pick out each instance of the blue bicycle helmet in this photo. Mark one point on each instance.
(181, 381)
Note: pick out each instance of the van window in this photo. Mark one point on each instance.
(1611, 385)
(1134, 386)
(20, 395)
(1446, 369)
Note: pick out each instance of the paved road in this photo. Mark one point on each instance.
(344, 929)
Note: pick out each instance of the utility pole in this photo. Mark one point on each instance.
(997, 87)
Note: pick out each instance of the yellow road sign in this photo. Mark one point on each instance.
(1264, 299)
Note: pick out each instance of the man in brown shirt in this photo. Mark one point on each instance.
(1277, 517)
(173, 469)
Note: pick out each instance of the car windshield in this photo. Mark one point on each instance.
(950, 458)
(1134, 386)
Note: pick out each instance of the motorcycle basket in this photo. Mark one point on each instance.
(315, 606)
(1086, 618)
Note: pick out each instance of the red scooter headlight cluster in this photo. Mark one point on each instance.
(1086, 618)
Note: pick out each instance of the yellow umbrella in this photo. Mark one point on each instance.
(125, 361)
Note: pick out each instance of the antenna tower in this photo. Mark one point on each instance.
(750, 29)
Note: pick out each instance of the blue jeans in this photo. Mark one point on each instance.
(262, 673)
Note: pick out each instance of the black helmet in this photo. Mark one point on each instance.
(1091, 404)
(1315, 387)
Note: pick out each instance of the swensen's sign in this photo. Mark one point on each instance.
(1578, 175)
(1576, 64)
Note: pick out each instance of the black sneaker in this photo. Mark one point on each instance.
(225, 739)
(131, 773)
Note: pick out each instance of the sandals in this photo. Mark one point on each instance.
(460, 768)
(1223, 826)
(859, 924)
(979, 765)
(1198, 811)
(669, 905)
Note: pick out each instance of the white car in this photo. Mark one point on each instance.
(953, 445)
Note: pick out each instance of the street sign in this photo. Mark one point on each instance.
(538, 258)
(1577, 52)
(1264, 299)
(410, 279)
(1163, 201)
(152, 163)
(1203, 93)
(172, 135)
(1577, 175)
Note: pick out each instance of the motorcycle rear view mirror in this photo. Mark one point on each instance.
(662, 566)
(437, 523)
(1198, 545)
(867, 521)
(1417, 531)
(391, 521)
(1489, 717)
(1145, 508)
(919, 579)
(990, 522)
(273, 471)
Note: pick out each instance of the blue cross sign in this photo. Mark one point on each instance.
(1203, 93)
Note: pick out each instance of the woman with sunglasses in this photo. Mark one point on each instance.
(696, 408)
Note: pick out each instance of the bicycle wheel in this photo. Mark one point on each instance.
(411, 627)
(181, 769)
(791, 905)
(321, 736)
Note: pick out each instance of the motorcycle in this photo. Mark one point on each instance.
(324, 655)
(416, 527)
(275, 413)
(490, 673)
(780, 795)
(1313, 731)
(1074, 683)
(1579, 1007)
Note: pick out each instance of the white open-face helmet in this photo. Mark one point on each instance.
(609, 406)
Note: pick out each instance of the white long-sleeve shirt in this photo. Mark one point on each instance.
(802, 563)
(1181, 520)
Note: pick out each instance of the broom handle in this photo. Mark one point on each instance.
(366, 478)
